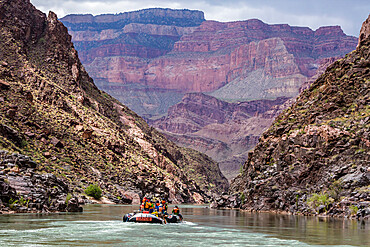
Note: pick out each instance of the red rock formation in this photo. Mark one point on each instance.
(214, 54)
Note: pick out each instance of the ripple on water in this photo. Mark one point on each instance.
(116, 233)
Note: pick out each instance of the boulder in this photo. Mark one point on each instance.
(73, 205)
(87, 134)
(4, 85)
(10, 133)
(56, 142)
(363, 213)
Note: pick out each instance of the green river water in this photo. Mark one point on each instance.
(101, 225)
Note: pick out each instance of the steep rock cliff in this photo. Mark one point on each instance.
(314, 159)
(54, 117)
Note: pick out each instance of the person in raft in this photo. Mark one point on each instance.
(164, 206)
(151, 206)
(176, 211)
(142, 206)
(146, 205)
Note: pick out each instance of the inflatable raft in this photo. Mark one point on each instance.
(146, 217)
(174, 218)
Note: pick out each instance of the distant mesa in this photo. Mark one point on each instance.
(157, 16)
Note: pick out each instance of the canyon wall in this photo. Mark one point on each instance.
(314, 159)
(225, 131)
(156, 66)
(59, 133)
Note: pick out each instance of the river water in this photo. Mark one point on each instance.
(101, 225)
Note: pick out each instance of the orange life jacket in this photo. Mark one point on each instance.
(165, 207)
(147, 205)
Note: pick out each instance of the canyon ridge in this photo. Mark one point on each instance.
(207, 85)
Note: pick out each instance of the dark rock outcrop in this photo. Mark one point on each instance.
(314, 159)
(226, 201)
(24, 190)
(364, 32)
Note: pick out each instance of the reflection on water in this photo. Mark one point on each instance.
(101, 225)
(313, 230)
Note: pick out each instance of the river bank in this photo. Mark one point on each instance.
(359, 210)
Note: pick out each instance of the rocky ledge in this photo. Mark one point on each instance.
(25, 190)
(226, 201)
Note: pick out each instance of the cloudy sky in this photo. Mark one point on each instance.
(349, 14)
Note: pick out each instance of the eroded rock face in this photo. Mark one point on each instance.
(314, 159)
(24, 190)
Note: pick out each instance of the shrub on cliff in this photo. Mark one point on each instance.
(317, 200)
(94, 191)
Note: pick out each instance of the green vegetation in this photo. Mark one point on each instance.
(68, 197)
(242, 197)
(93, 191)
(322, 198)
(335, 189)
(241, 169)
(12, 203)
(24, 202)
(353, 209)
(42, 40)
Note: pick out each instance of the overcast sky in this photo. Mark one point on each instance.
(349, 14)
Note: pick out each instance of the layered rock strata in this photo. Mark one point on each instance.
(237, 61)
(27, 191)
